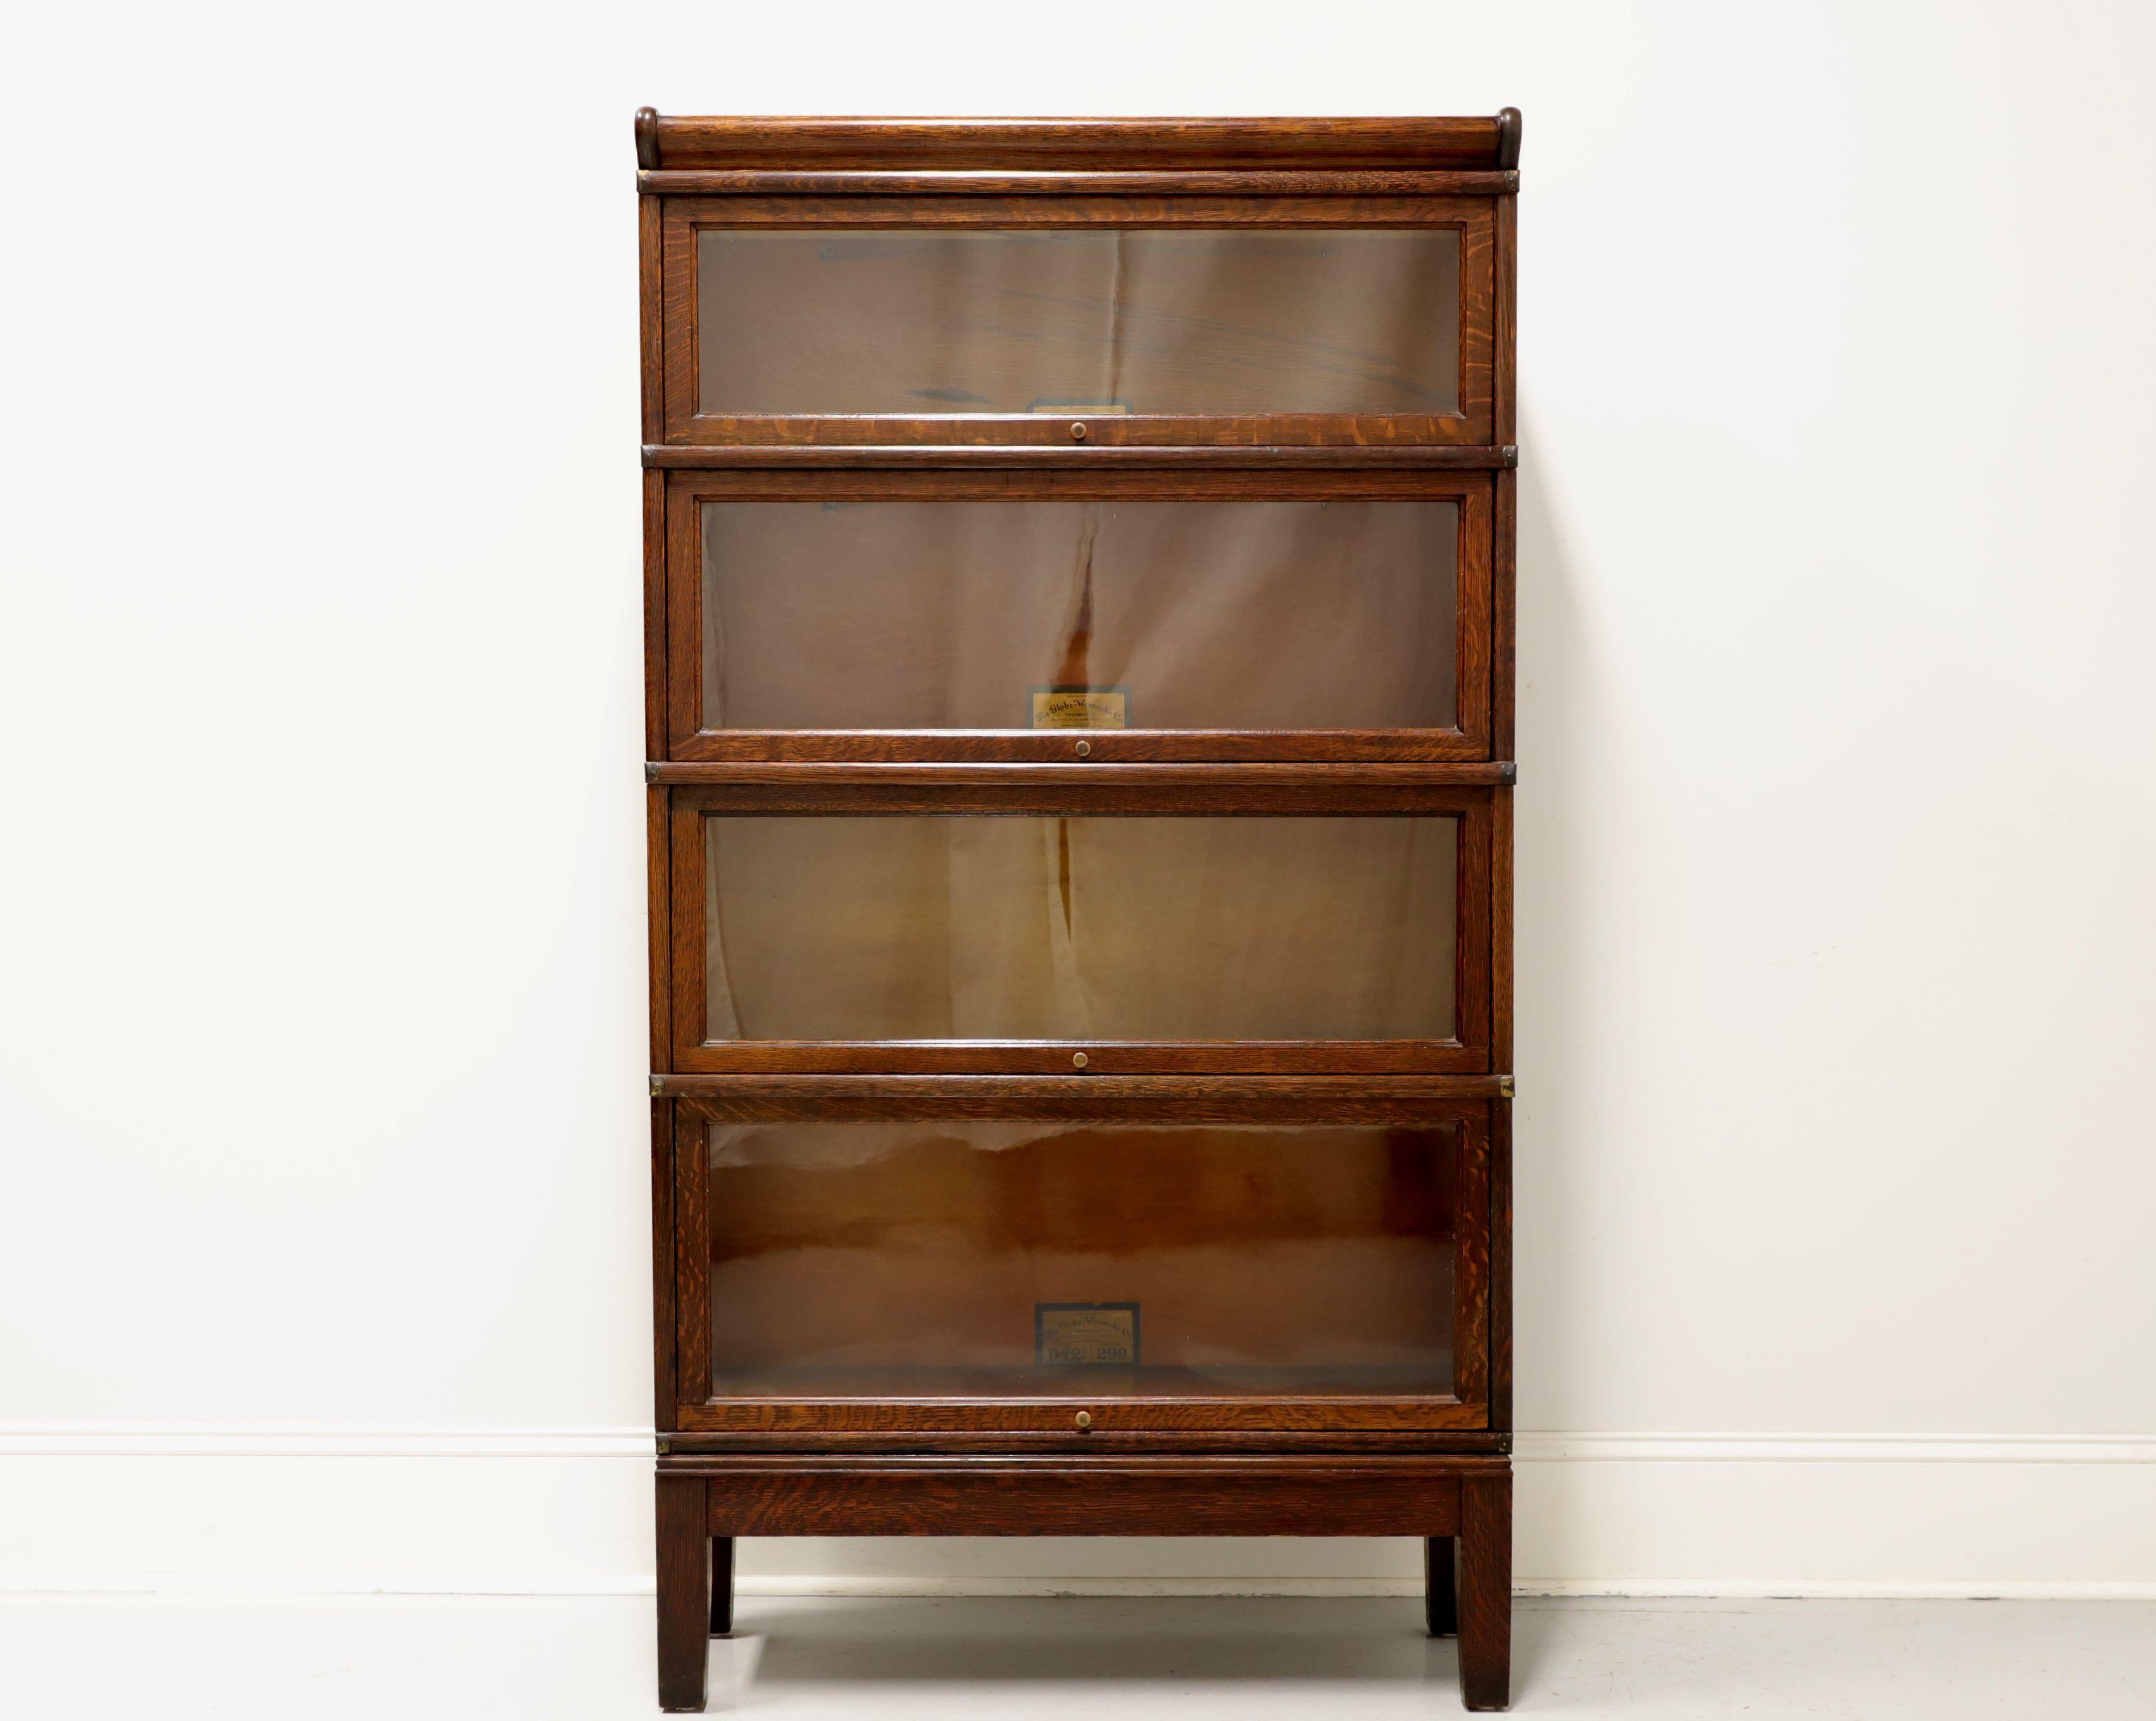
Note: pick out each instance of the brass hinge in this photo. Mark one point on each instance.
(1505, 1085)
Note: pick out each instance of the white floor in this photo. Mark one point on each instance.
(589, 1659)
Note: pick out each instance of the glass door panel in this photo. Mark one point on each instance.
(1093, 614)
(1006, 927)
(1078, 323)
(1030, 1259)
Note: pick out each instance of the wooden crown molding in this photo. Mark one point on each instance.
(681, 143)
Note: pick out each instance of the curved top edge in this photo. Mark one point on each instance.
(718, 142)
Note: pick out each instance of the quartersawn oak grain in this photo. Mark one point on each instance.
(1179, 1461)
(1216, 145)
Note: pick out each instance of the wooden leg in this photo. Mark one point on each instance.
(685, 1582)
(1441, 1596)
(1485, 1591)
(723, 1587)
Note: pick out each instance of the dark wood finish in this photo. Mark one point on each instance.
(1485, 1588)
(1219, 1496)
(1019, 1442)
(721, 774)
(1440, 1587)
(1501, 1264)
(1508, 137)
(1384, 790)
(723, 1587)
(1504, 617)
(1332, 183)
(1173, 1455)
(1060, 145)
(1154, 1099)
(692, 1265)
(685, 1581)
(663, 1275)
(1504, 401)
(658, 856)
(1078, 457)
(1183, 1408)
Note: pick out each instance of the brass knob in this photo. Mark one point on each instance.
(1084, 1419)
(1077, 433)
(1085, 748)
(1078, 1060)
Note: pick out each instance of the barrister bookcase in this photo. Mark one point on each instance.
(1079, 630)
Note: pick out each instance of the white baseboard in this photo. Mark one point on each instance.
(1553, 1447)
(1529, 1448)
(566, 1512)
(326, 1443)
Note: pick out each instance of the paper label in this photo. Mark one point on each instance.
(1087, 1333)
(1081, 708)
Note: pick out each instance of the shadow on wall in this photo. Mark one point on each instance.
(1561, 761)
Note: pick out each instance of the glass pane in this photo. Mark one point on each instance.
(1227, 321)
(1108, 928)
(1174, 615)
(1030, 1258)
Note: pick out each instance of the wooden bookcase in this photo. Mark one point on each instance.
(1078, 562)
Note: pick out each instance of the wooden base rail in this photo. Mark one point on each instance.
(1461, 1507)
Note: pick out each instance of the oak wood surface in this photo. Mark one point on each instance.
(910, 788)
(684, 1579)
(1499, 1230)
(1148, 1499)
(1166, 1454)
(1019, 1442)
(663, 1271)
(1191, 182)
(1485, 1588)
(1330, 1097)
(1079, 457)
(682, 142)
(692, 1265)
(1184, 1411)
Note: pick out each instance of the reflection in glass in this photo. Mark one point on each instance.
(1078, 322)
(1194, 615)
(875, 1258)
(1108, 928)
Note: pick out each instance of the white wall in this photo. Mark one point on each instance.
(322, 1252)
